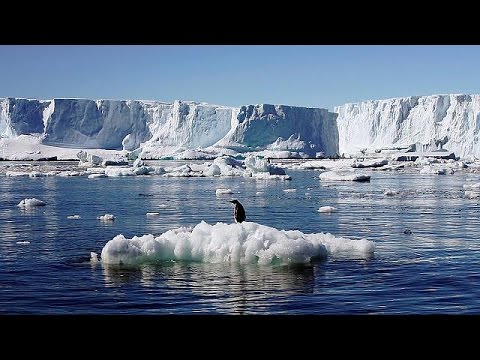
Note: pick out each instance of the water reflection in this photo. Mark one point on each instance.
(224, 288)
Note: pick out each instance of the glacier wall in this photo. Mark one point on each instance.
(429, 122)
(281, 127)
(118, 124)
(94, 124)
(21, 116)
(75, 122)
(188, 125)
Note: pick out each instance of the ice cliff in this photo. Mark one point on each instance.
(82, 123)
(116, 124)
(280, 127)
(423, 123)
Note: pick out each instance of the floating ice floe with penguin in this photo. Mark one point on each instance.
(244, 243)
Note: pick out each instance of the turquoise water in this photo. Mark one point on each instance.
(426, 259)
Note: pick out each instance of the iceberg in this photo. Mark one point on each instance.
(445, 126)
(180, 130)
(247, 242)
(421, 123)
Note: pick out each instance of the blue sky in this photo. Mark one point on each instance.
(235, 75)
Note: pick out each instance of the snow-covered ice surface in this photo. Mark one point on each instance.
(29, 147)
(247, 242)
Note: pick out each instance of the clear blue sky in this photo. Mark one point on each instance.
(235, 75)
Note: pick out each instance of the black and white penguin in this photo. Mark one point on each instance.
(238, 212)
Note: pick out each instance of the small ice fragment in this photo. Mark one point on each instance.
(327, 209)
(30, 202)
(106, 217)
(222, 191)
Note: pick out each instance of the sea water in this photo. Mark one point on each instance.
(425, 261)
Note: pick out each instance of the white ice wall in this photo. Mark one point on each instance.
(116, 124)
(311, 130)
(21, 116)
(452, 120)
(188, 124)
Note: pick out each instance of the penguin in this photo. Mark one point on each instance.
(238, 212)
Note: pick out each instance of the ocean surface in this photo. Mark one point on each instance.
(426, 259)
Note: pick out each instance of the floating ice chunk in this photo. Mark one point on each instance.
(94, 257)
(229, 166)
(311, 165)
(94, 170)
(472, 194)
(156, 170)
(257, 165)
(228, 160)
(247, 242)
(267, 176)
(74, 217)
(23, 242)
(181, 171)
(343, 175)
(87, 159)
(434, 171)
(391, 167)
(34, 174)
(213, 170)
(390, 192)
(96, 176)
(142, 170)
(370, 163)
(475, 186)
(69, 173)
(200, 168)
(289, 190)
(426, 161)
(115, 171)
(327, 209)
(106, 217)
(16, 173)
(31, 202)
(222, 191)
(194, 154)
(152, 214)
(259, 193)
(114, 162)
